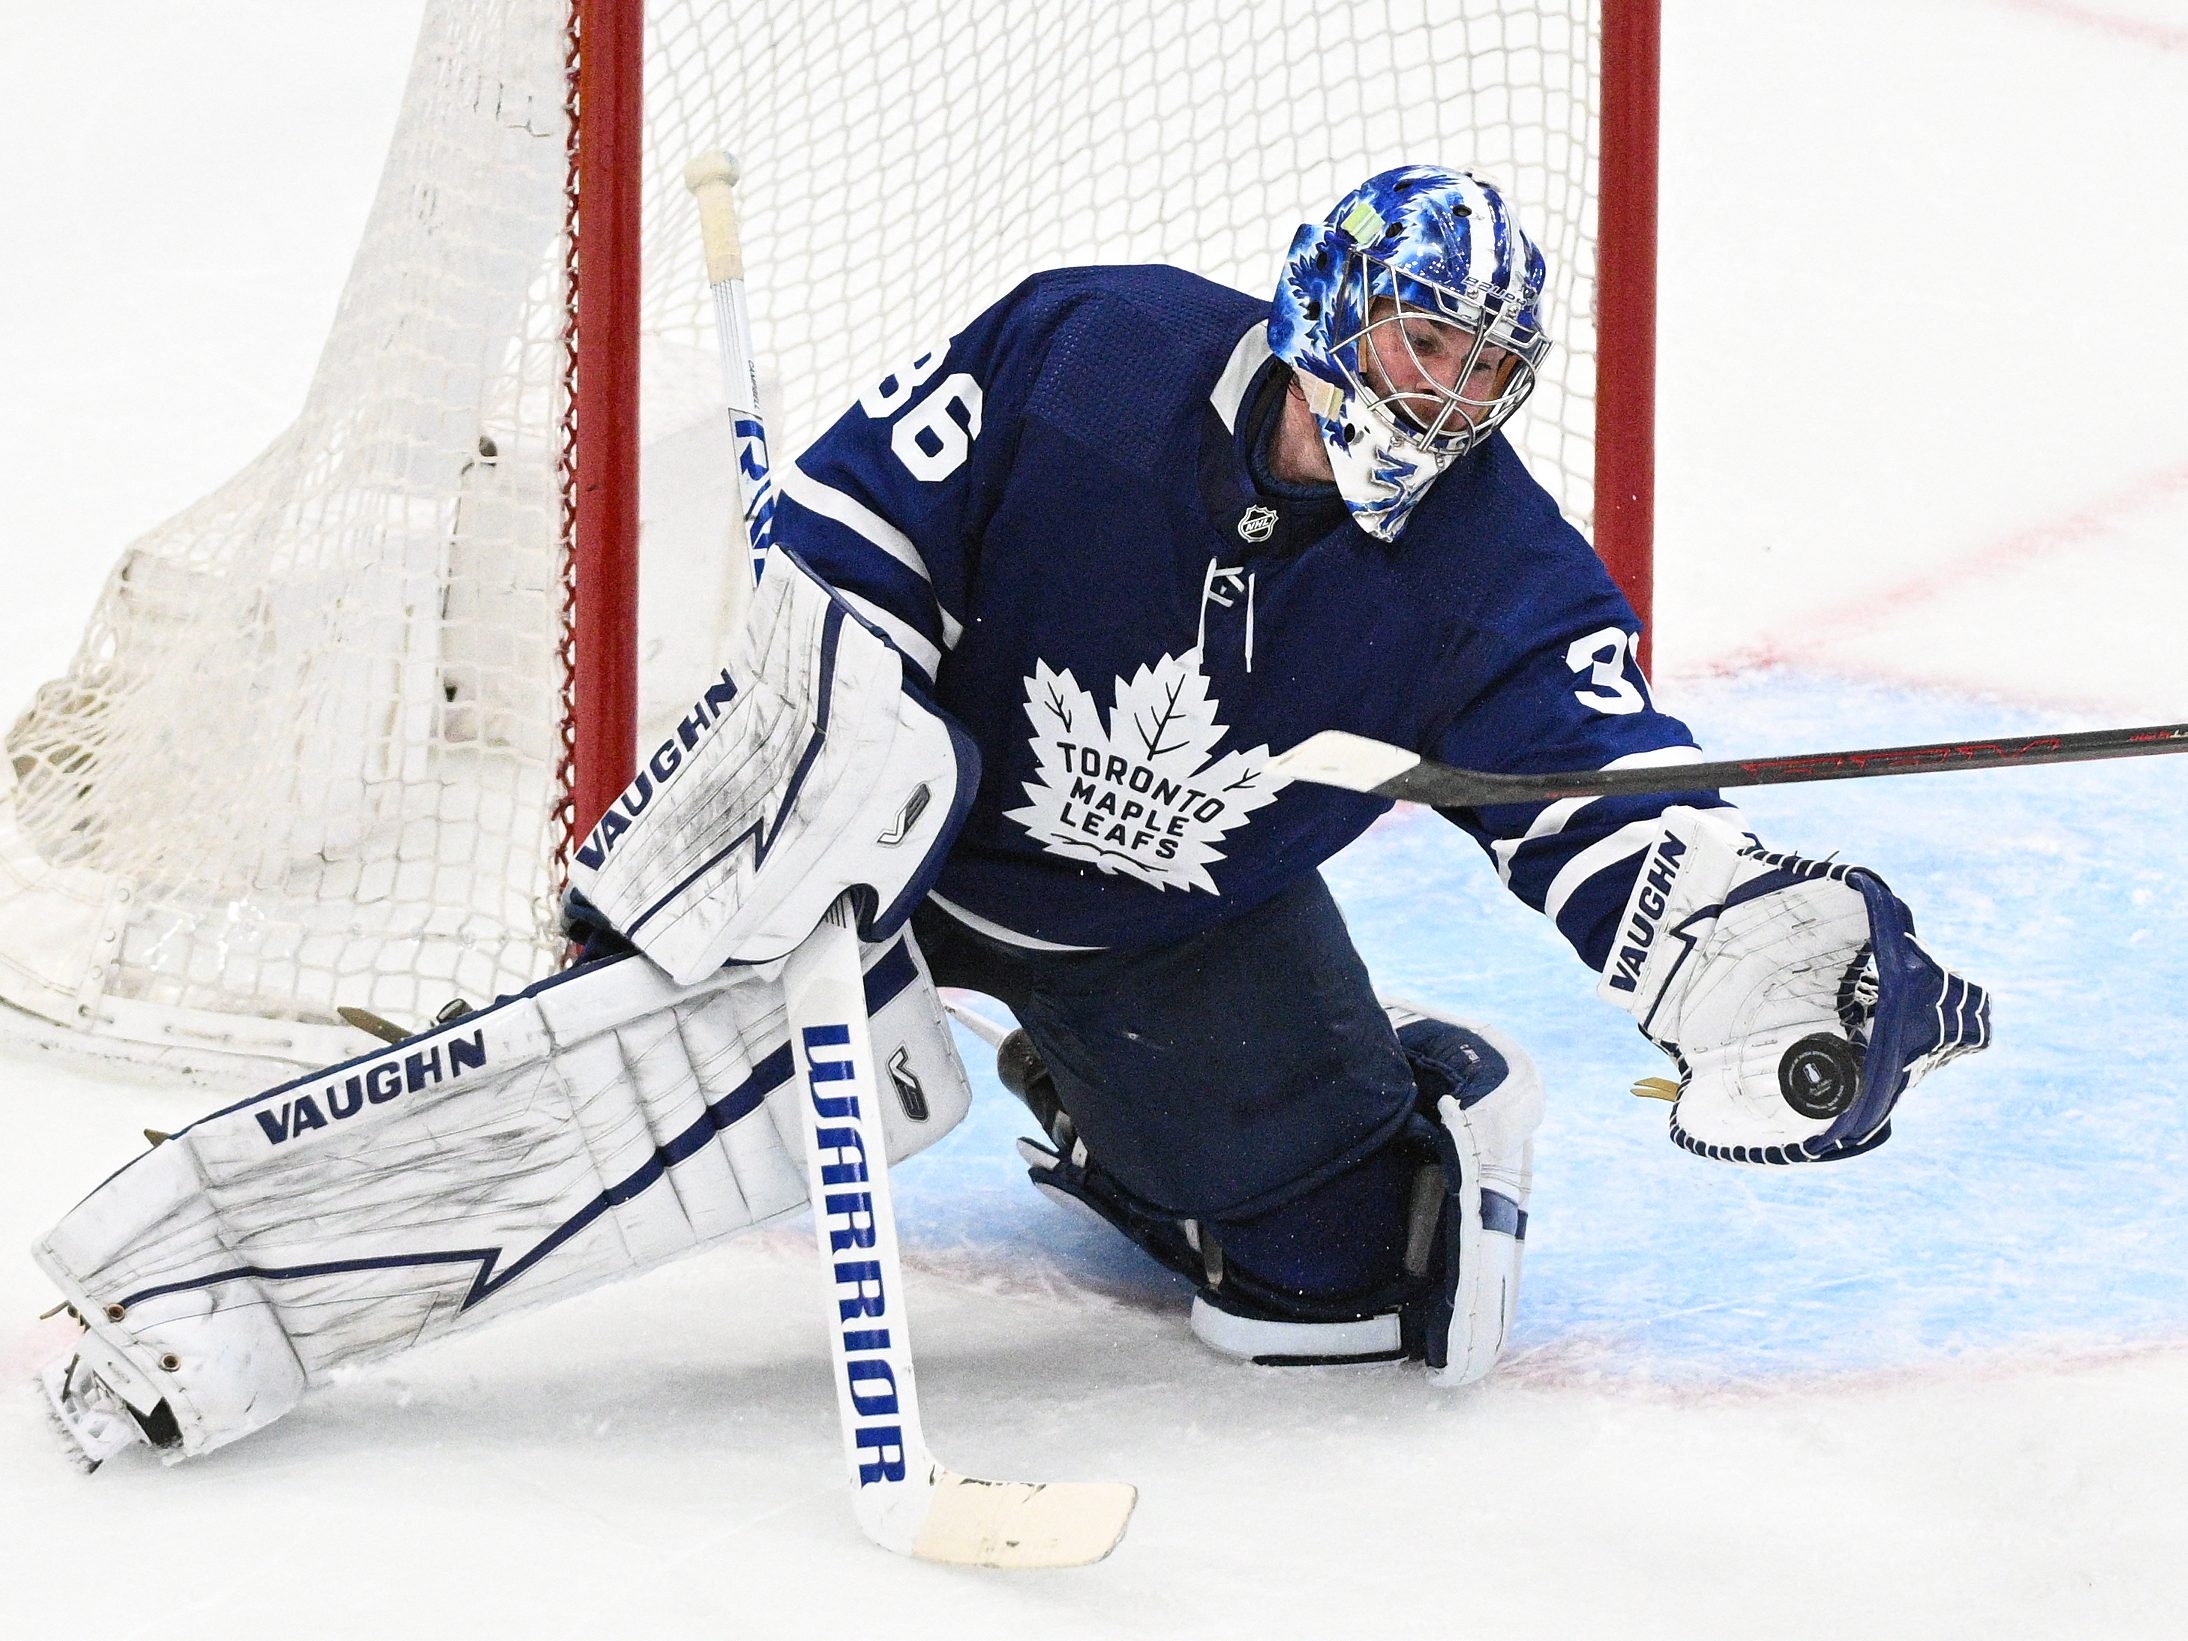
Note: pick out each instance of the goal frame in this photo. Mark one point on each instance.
(606, 139)
(1625, 382)
(602, 236)
(527, 690)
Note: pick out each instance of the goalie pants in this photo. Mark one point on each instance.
(1246, 1078)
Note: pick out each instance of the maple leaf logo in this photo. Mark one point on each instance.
(1144, 793)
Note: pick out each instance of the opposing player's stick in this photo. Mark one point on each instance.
(990, 1032)
(1337, 758)
(903, 1498)
(712, 179)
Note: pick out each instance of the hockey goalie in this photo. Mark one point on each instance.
(1043, 604)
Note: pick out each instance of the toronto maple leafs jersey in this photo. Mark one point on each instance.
(1062, 519)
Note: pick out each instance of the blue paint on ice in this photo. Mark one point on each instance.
(2034, 1195)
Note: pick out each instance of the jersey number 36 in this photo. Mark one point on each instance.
(930, 441)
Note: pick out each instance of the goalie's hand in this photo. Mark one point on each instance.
(808, 771)
(1790, 992)
(590, 935)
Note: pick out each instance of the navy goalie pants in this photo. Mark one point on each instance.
(1245, 1077)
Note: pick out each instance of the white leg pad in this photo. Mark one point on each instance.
(598, 1123)
(1493, 1139)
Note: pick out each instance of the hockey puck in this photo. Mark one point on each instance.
(1820, 1075)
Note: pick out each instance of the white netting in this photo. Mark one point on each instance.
(305, 756)
(907, 163)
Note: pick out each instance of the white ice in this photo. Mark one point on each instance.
(1925, 324)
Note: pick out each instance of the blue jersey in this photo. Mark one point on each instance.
(1060, 518)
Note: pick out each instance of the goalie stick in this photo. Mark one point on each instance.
(1336, 758)
(712, 180)
(904, 1499)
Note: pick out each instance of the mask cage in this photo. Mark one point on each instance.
(1437, 395)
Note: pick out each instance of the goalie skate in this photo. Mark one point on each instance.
(91, 1420)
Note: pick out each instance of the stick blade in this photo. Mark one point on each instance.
(1336, 757)
(975, 1523)
(372, 1024)
(990, 1032)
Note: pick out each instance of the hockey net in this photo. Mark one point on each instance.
(311, 750)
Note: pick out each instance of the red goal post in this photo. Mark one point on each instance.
(607, 81)
(1625, 402)
(603, 236)
(330, 730)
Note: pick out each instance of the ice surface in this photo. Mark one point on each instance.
(2031, 1199)
(2030, 1196)
(1923, 474)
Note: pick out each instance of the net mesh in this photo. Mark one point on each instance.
(307, 754)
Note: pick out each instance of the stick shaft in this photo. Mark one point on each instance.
(712, 180)
(904, 1500)
(854, 1223)
(1361, 765)
(824, 999)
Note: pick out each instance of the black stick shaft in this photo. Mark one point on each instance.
(1448, 787)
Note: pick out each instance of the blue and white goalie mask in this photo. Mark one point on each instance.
(1411, 316)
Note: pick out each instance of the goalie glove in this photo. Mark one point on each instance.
(1790, 992)
(808, 769)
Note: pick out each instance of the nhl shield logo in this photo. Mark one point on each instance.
(1257, 524)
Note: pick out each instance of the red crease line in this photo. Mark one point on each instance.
(1874, 608)
(2136, 29)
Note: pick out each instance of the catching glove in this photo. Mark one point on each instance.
(1790, 993)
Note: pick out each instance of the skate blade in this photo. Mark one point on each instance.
(88, 1436)
(71, 1449)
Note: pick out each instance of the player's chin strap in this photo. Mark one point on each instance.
(1790, 993)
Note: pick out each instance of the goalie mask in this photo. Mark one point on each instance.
(1411, 317)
